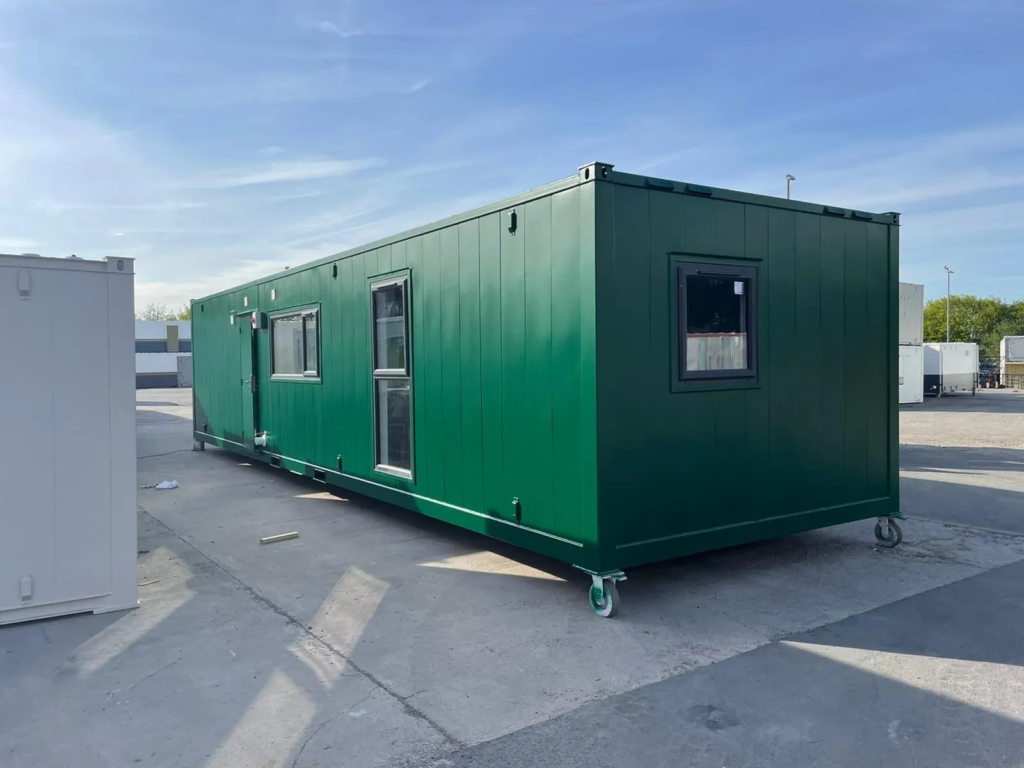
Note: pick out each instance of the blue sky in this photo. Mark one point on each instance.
(221, 140)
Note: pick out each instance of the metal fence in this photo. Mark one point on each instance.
(989, 376)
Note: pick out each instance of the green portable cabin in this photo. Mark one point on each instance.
(610, 370)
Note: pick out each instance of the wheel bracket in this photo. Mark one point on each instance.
(888, 532)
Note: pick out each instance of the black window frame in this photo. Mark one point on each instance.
(682, 271)
(377, 284)
(307, 374)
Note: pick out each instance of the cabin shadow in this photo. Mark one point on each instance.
(985, 401)
(944, 623)
(417, 520)
(960, 460)
(797, 703)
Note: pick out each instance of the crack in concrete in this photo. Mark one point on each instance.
(320, 727)
(309, 738)
(326, 722)
(408, 708)
(141, 680)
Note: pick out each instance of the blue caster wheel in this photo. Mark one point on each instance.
(604, 597)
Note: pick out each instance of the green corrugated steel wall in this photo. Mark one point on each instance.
(542, 370)
(502, 337)
(816, 433)
(215, 353)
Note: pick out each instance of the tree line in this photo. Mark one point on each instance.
(159, 311)
(982, 321)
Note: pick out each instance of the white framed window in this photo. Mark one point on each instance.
(392, 376)
(295, 345)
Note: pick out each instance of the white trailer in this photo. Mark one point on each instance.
(911, 314)
(950, 367)
(67, 463)
(911, 372)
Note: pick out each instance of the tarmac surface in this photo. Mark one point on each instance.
(381, 638)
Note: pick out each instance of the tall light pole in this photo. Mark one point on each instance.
(789, 180)
(948, 273)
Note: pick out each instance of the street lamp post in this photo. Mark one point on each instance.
(789, 180)
(948, 273)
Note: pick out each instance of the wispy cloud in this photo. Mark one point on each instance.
(175, 293)
(334, 29)
(16, 244)
(969, 222)
(263, 85)
(57, 207)
(291, 252)
(910, 171)
(286, 198)
(174, 231)
(297, 170)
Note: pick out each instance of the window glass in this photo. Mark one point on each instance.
(394, 429)
(716, 321)
(312, 346)
(389, 324)
(296, 345)
(287, 339)
(392, 380)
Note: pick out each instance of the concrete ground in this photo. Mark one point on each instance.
(380, 638)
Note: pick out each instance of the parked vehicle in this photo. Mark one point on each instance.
(950, 367)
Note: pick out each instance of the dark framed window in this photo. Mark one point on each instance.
(295, 345)
(717, 321)
(392, 376)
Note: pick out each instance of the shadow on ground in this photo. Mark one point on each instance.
(961, 460)
(819, 698)
(205, 673)
(986, 401)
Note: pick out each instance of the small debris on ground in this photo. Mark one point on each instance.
(166, 485)
(279, 537)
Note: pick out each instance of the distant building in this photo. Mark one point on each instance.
(1011, 356)
(158, 346)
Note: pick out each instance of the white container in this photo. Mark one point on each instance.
(1011, 349)
(156, 330)
(67, 459)
(158, 369)
(911, 372)
(185, 371)
(911, 313)
(951, 367)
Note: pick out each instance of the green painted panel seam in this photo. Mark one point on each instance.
(752, 522)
